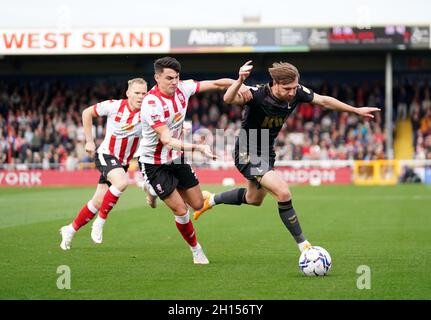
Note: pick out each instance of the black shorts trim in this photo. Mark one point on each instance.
(106, 163)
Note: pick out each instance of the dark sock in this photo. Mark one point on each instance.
(290, 220)
(235, 196)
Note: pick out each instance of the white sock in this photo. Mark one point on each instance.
(211, 201)
(70, 229)
(91, 207)
(115, 191)
(183, 219)
(100, 221)
(196, 247)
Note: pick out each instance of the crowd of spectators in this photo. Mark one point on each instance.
(41, 123)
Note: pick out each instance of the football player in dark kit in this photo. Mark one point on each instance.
(264, 116)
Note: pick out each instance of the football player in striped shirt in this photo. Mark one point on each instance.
(123, 132)
(161, 148)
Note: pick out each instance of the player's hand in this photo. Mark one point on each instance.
(206, 151)
(367, 111)
(245, 70)
(90, 148)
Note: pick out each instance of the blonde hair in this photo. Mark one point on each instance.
(136, 80)
(283, 72)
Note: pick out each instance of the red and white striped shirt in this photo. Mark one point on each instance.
(158, 109)
(123, 129)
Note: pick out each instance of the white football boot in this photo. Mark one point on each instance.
(151, 195)
(66, 233)
(199, 256)
(97, 230)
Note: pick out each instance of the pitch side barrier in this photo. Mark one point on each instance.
(312, 172)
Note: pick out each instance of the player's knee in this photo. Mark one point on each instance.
(179, 210)
(197, 205)
(283, 195)
(254, 201)
(121, 184)
(258, 202)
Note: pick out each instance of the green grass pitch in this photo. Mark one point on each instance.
(252, 255)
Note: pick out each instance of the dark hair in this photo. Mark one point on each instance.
(167, 62)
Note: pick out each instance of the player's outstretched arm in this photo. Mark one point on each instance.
(213, 85)
(220, 85)
(335, 104)
(87, 122)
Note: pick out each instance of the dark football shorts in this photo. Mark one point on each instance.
(106, 163)
(165, 178)
(253, 169)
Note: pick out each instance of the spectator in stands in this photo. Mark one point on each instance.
(53, 111)
(425, 123)
(401, 107)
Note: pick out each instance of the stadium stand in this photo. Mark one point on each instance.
(42, 121)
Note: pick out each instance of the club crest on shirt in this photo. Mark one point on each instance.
(155, 117)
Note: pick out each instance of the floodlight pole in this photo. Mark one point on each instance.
(388, 107)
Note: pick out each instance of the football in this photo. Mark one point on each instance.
(315, 261)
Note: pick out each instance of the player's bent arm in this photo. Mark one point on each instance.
(173, 143)
(233, 96)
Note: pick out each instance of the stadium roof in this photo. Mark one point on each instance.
(186, 13)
